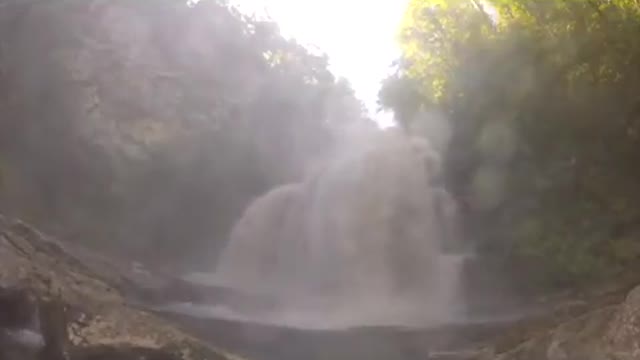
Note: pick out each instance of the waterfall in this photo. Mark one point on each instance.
(359, 243)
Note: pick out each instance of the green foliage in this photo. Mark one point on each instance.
(149, 125)
(542, 99)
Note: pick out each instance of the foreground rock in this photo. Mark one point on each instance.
(83, 306)
(76, 310)
(607, 333)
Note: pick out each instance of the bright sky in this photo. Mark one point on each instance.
(358, 35)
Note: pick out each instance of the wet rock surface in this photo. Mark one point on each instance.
(55, 304)
(608, 332)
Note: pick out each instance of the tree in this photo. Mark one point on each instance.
(541, 97)
(137, 126)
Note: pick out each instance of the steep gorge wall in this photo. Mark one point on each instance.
(132, 124)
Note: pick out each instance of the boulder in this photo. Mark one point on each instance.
(53, 305)
(605, 333)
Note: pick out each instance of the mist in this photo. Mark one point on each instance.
(360, 243)
(245, 185)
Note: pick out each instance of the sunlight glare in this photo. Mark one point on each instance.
(358, 35)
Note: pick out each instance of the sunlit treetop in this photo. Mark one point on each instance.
(438, 36)
(542, 98)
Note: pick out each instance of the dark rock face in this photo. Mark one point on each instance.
(20, 336)
(18, 308)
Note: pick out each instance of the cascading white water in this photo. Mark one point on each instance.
(359, 243)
